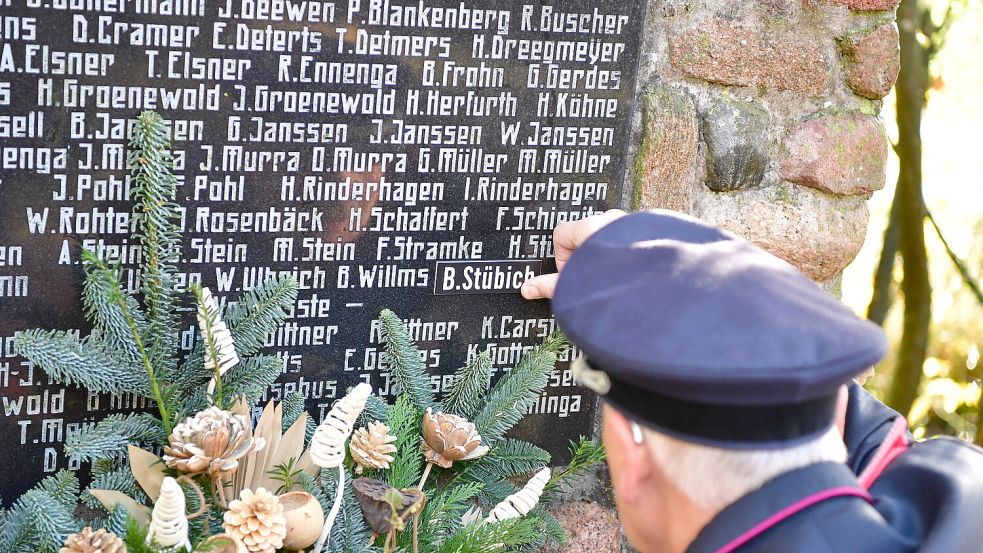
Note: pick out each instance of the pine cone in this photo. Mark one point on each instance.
(213, 440)
(448, 438)
(371, 447)
(89, 541)
(256, 519)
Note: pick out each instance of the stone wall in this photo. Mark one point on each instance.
(762, 117)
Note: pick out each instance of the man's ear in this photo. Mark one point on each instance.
(635, 464)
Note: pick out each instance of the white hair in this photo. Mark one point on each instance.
(714, 478)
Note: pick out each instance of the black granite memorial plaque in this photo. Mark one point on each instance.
(388, 153)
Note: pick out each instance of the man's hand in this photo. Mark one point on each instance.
(567, 237)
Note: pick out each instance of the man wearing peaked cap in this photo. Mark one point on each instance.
(731, 418)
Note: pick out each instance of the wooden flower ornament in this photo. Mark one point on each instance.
(521, 502)
(448, 438)
(212, 441)
(168, 523)
(327, 448)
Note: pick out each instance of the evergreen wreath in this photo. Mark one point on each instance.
(215, 487)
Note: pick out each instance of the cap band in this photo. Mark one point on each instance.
(727, 426)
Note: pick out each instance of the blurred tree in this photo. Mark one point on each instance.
(920, 38)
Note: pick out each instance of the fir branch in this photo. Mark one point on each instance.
(63, 487)
(442, 515)
(404, 423)
(375, 410)
(253, 376)
(510, 398)
(501, 464)
(496, 489)
(259, 312)
(156, 221)
(42, 518)
(120, 480)
(403, 359)
(192, 375)
(117, 521)
(467, 391)
(350, 533)
(511, 458)
(550, 527)
(311, 484)
(287, 474)
(86, 363)
(584, 453)
(293, 408)
(148, 365)
(100, 296)
(51, 520)
(135, 538)
(109, 438)
(492, 538)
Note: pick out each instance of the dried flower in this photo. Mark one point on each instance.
(448, 438)
(89, 541)
(371, 447)
(212, 441)
(256, 519)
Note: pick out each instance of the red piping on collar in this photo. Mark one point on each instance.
(893, 445)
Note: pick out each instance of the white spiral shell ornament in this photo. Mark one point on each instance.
(328, 446)
(216, 334)
(522, 501)
(168, 523)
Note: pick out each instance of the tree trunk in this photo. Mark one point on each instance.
(883, 296)
(915, 285)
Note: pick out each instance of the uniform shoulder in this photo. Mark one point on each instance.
(933, 493)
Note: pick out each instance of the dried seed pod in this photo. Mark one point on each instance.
(89, 541)
(521, 502)
(448, 438)
(328, 444)
(304, 518)
(168, 523)
(377, 511)
(256, 519)
(371, 447)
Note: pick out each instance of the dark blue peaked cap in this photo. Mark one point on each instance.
(701, 335)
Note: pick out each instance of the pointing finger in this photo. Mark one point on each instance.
(540, 287)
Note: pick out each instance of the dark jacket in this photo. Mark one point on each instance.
(928, 499)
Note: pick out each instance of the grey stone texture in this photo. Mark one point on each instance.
(736, 137)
